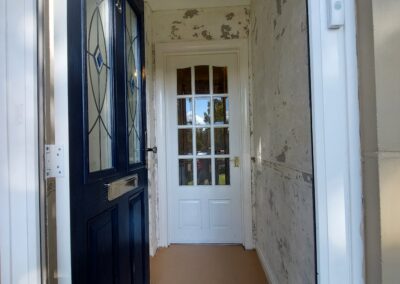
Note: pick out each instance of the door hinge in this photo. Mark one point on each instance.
(54, 161)
(118, 4)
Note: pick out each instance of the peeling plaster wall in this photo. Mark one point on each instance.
(201, 24)
(151, 122)
(282, 169)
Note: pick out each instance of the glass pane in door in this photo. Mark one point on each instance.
(203, 171)
(203, 127)
(202, 111)
(133, 77)
(185, 142)
(220, 80)
(99, 86)
(221, 110)
(185, 172)
(184, 81)
(185, 112)
(221, 138)
(222, 175)
(203, 141)
(202, 79)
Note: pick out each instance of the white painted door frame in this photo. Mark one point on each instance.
(336, 146)
(19, 157)
(239, 47)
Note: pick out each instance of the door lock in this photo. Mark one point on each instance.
(236, 162)
(153, 149)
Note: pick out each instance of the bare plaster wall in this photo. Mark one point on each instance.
(282, 168)
(379, 85)
(386, 22)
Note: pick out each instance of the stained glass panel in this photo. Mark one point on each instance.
(133, 76)
(99, 84)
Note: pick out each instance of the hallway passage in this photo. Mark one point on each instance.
(206, 264)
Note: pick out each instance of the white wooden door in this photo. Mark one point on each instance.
(203, 149)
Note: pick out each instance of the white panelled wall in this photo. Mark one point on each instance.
(19, 178)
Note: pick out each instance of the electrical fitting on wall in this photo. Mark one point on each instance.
(335, 14)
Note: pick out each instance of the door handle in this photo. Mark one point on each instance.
(153, 149)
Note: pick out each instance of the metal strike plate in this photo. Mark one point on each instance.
(236, 162)
(120, 187)
(54, 161)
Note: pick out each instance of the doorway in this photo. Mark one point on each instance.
(204, 142)
(216, 189)
(248, 223)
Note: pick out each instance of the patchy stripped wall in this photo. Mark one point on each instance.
(151, 127)
(282, 170)
(201, 24)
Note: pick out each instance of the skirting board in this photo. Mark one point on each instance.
(267, 267)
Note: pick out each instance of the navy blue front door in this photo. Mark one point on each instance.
(108, 177)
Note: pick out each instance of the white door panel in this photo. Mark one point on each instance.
(203, 140)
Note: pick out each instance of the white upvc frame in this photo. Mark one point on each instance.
(239, 47)
(336, 142)
(19, 157)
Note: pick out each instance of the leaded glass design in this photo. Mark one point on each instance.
(99, 84)
(133, 76)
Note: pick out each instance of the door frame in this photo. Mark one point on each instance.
(19, 143)
(336, 145)
(162, 51)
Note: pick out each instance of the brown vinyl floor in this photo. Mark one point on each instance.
(206, 264)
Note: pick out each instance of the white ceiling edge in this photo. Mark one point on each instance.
(157, 5)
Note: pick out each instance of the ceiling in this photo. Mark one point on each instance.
(191, 4)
